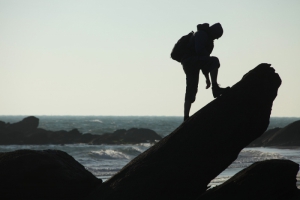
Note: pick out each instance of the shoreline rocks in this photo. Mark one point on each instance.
(27, 132)
(281, 137)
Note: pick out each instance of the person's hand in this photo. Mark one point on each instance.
(207, 83)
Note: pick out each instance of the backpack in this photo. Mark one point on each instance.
(181, 47)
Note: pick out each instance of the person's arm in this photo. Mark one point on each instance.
(201, 38)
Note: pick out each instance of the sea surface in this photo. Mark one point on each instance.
(106, 160)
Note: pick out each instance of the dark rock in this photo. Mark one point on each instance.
(182, 164)
(287, 136)
(141, 135)
(259, 142)
(88, 138)
(110, 138)
(271, 179)
(67, 137)
(49, 174)
(120, 132)
(131, 136)
(41, 136)
(9, 137)
(27, 124)
(2, 124)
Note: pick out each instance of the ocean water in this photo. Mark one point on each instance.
(106, 160)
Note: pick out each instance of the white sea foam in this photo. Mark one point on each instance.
(247, 157)
(97, 120)
(145, 144)
(138, 149)
(103, 171)
(260, 154)
(219, 180)
(131, 151)
(109, 154)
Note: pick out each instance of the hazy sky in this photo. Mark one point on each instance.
(112, 57)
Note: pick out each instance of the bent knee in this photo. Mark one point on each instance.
(191, 100)
(215, 61)
(191, 96)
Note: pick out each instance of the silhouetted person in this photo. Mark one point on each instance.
(198, 58)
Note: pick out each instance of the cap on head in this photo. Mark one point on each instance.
(216, 30)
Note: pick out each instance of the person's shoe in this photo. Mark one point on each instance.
(218, 91)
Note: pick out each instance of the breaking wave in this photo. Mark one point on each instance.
(109, 154)
(96, 120)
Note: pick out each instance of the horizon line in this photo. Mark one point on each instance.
(121, 115)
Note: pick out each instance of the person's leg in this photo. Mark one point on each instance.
(207, 81)
(217, 91)
(192, 79)
(214, 76)
(187, 107)
(211, 67)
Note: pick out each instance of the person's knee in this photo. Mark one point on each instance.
(215, 62)
(190, 100)
(191, 96)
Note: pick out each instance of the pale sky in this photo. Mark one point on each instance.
(112, 57)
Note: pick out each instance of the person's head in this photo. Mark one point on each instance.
(204, 26)
(216, 31)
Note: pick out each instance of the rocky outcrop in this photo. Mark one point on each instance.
(133, 135)
(27, 124)
(26, 132)
(49, 174)
(271, 179)
(287, 136)
(182, 164)
(262, 139)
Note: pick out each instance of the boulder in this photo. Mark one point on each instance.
(2, 124)
(27, 124)
(48, 174)
(270, 179)
(259, 142)
(88, 138)
(181, 165)
(131, 136)
(287, 136)
(38, 136)
(141, 135)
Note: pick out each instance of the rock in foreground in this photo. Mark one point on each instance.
(49, 174)
(271, 179)
(182, 164)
